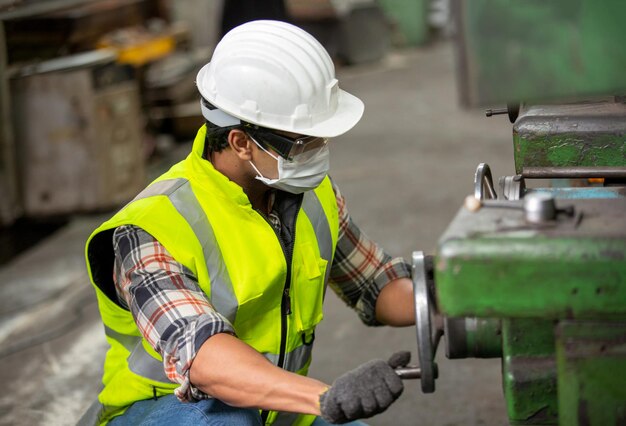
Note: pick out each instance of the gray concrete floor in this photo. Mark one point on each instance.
(404, 170)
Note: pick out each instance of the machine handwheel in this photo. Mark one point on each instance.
(425, 347)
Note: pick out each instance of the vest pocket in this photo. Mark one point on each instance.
(308, 289)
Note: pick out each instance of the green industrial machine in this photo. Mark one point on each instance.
(535, 273)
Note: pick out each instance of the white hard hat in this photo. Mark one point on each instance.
(276, 75)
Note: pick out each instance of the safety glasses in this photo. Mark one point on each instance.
(287, 147)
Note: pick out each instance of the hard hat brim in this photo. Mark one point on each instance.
(349, 112)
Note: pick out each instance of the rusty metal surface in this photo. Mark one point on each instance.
(567, 137)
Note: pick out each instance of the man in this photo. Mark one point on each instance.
(211, 281)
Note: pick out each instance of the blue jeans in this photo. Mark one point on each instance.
(167, 410)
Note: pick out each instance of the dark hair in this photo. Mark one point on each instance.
(216, 138)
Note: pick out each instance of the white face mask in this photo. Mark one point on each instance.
(305, 172)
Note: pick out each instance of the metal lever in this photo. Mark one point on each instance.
(409, 372)
(414, 372)
(537, 207)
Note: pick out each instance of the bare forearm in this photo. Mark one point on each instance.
(233, 372)
(395, 305)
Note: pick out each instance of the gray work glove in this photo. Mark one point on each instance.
(365, 391)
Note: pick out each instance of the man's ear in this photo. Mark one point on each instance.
(240, 144)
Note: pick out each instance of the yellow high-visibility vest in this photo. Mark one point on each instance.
(207, 223)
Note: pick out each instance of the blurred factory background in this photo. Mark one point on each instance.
(97, 97)
(94, 90)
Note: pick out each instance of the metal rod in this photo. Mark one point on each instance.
(409, 372)
(496, 111)
(573, 172)
(503, 204)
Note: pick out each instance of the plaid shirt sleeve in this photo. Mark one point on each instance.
(361, 268)
(170, 309)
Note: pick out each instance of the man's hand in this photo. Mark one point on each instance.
(365, 391)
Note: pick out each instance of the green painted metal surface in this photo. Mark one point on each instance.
(591, 373)
(409, 18)
(529, 371)
(587, 135)
(492, 263)
(536, 49)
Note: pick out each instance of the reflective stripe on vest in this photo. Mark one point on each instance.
(185, 202)
(126, 340)
(315, 212)
(92, 416)
(162, 187)
(145, 365)
(294, 360)
(139, 361)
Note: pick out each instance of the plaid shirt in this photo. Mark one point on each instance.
(176, 317)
